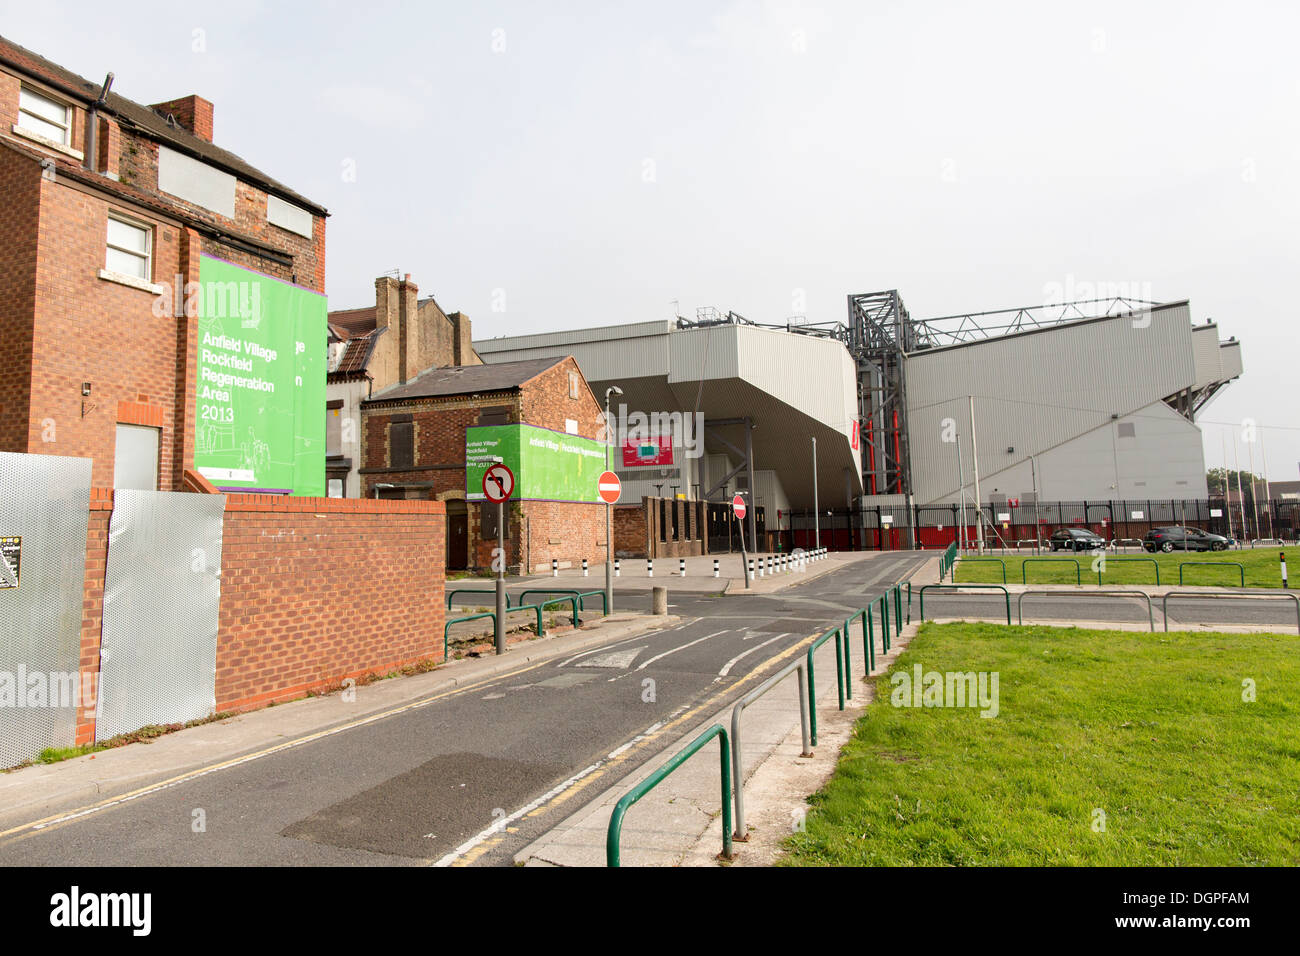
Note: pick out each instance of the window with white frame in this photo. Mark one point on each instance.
(129, 248)
(39, 114)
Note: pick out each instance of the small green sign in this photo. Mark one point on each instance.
(548, 465)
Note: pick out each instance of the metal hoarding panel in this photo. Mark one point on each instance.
(162, 595)
(44, 502)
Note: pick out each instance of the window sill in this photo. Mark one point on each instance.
(48, 143)
(122, 279)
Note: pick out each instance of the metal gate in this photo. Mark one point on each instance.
(44, 512)
(162, 595)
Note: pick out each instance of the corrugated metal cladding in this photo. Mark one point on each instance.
(1230, 359)
(1205, 346)
(602, 358)
(794, 387)
(1036, 390)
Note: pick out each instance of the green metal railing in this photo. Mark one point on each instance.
(962, 587)
(812, 679)
(947, 560)
(1152, 561)
(614, 833)
(1001, 561)
(451, 594)
(1024, 568)
(1211, 564)
(1219, 595)
(446, 629)
(573, 592)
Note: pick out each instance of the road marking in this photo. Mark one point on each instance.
(478, 839)
(619, 659)
(726, 668)
(69, 815)
(606, 647)
(698, 640)
(583, 781)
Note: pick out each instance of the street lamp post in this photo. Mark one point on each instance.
(609, 511)
(817, 530)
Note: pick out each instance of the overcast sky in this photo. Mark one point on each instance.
(560, 165)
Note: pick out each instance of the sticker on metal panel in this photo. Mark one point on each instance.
(11, 552)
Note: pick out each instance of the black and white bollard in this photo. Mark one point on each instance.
(584, 567)
(617, 568)
(681, 566)
(555, 568)
(649, 567)
(715, 567)
(751, 567)
(1282, 557)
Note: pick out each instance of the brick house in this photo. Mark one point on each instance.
(108, 205)
(413, 446)
(373, 348)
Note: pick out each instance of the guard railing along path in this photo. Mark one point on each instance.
(732, 763)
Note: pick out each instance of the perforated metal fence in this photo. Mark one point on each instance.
(44, 512)
(162, 596)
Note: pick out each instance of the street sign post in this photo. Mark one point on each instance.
(739, 509)
(610, 488)
(498, 486)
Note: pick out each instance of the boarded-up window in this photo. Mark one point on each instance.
(497, 415)
(401, 445)
(488, 521)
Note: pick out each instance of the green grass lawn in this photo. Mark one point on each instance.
(1263, 570)
(1151, 730)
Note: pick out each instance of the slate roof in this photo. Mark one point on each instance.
(464, 379)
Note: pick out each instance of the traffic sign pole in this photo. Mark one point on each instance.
(501, 578)
(738, 509)
(498, 486)
(609, 488)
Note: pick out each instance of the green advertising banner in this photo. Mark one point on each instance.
(547, 465)
(260, 389)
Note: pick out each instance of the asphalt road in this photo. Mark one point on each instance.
(478, 774)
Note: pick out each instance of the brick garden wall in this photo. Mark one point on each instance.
(313, 591)
(630, 531)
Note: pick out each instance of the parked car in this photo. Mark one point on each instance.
(1076, 539)
(1183, 539)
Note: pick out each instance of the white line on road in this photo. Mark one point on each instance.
(500, 825)
(606, 647)
(659, 657)
(726, 668)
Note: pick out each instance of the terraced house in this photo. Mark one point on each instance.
(108, 207)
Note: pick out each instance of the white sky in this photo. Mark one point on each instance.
(588, 163)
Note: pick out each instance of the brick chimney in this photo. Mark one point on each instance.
(192, 112)
(411, 348)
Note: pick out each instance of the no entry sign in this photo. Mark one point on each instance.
(498, 483)
(609, 487)
(738, 506)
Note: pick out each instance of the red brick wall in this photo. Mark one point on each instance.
(87, 329)
(630, 531)
(92, 605)
(565, 531)
(20, 180)
(313, 591)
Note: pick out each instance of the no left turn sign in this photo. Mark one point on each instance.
(498, 483)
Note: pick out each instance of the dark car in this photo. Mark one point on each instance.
(1076, 539)
(1183, 539)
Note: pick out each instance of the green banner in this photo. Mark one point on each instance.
(547, 465)
(260, 389)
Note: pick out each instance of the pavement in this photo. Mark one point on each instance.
(680, 821)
